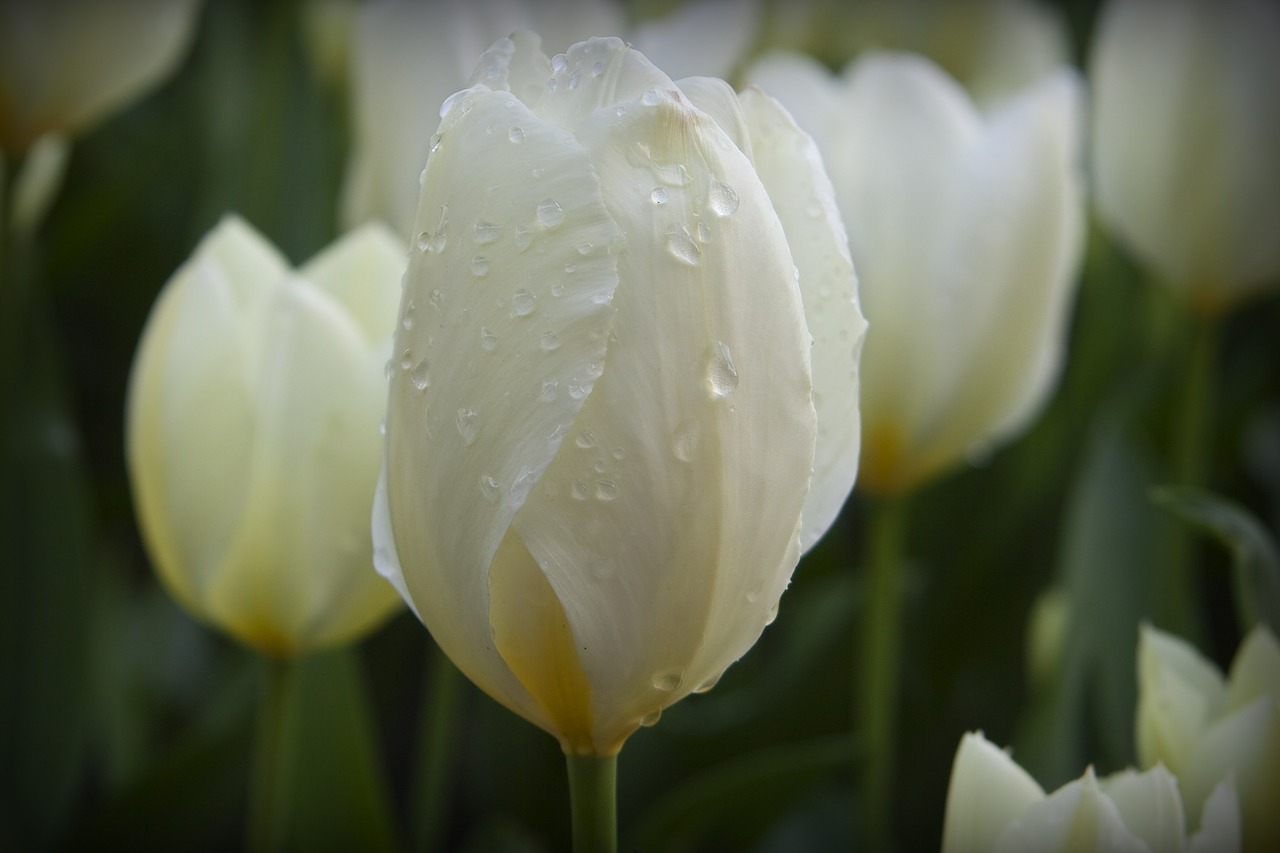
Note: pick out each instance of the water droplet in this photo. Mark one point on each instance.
(423, 241)
(406, 359)
(722, 375)
(549, 213)
(488, 487)
(704, 232)
(421, 376)
(651, 98)
(434, 142)
(467, 428)
(558, 62)
(557, 289)
(575, 78)
(488, 340)
(548, 390)
(708, 684)
(516, 134)
(667, 682)
(480, 266)
(685, 442)
(570, 268)
(551, 84)
(550, 342)
(600, 466)
(557, 435)
(606, 490)
(597, 68)
(682, 247)
(672, 174)
(651, 719)
(435, 297)
(407, 321)
(620, 112)
(772, 615)
(619, 454)
(485, 232)
(523, 483)
(524, 236)
(522, 302)
(580, 490)
(603, 299)
(387, 369)
(583, 249)
(722, 198)
(585, 438)
(577, 390)
(659, 195)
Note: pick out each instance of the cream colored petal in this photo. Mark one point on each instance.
(1150, 805)
(504, 326)
(812, 95)
(1255, 671)
(987, 792)
(1219, 830)
(598, 74)
(1179, 694)
(362, 271)
(666, 524)
(1245, 743)
(703, 37)
(717, 99)
(1004, 274)
(66, 66)
(1076, 817)
(792, 170)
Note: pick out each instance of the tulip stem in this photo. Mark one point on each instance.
(272, 760)
(442, 702)
(878, 707)
(593, 783)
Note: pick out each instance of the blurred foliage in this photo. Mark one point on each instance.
(123, 724)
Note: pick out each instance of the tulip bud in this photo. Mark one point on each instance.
(967, 235)
(1186, 125)
(67, 64)
(253, 435)
(618, 420)
(994, 805)
(1205, 727)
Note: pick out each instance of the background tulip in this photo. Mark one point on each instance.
(600, 442)
(1204, 727)
(993, 804)
(1186, 124)
(967, 236)
(253, 435)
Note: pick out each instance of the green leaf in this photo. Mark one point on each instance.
(1253, 551)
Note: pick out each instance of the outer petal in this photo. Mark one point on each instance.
(791, 168)
(1076, 817)
(987, 792)
(1219, 823)
(362, 271)
(65, 66)
(1245, 744)
(1256, 670)
(809, 92)
(655, 537)
(1150, 805)
(505, 323)
(1179, 694)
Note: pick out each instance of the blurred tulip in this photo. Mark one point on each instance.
(252, 435)
(967, 236)
(67, 64)
(1186, 125)
(1204, 727)
(410, 56)
(994, 805)
(601, 466)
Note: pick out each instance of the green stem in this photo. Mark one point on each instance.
(272, 760)
(881, 640)
(593, 783)
(441, 704)
(1192, 445)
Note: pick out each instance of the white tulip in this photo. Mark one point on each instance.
(967, 234)
(1186, 125)
(599, 454)
(994, 805)
(252, 429)
(67, 64)
(1205, 727)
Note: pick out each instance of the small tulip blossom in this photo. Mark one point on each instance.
(252, 435)
(627, 387)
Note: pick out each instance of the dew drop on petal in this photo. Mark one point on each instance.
(708, 684)
(557, 289)
(575, 77)
(488, 340)
(682, 247)
(651, 98)
(558, 62)
(606, 490)
(580, 490)
(772, 615)
(585, 439)
(667, 682)
(597, 68)
(485, 232)
(522, 302)
(466, 422)
(659, 195)
(722, 375)
(685, 442)
(480, 266)
(516, 135)
(488, 487)
(406, 359)
(722, 198)
(523, 483)
(524, 236)
(549, 213)
(550, 342)
(548, 390)
(421, 376)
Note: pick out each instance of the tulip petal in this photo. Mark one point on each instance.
(352, 271)
(791, 169)
(987, 792)
(1077, 816)
(1150, 805)
(1256, 670)
(190, 388)
(1219, 822)
(1179, 693)
(505, 322)
(656, 536)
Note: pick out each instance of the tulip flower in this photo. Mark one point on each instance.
(967, 235)
(409, 56)
(1204, 727)
(1186, 125)
(609, 440)
(252, 432)
(995, 805)
(64, 66)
